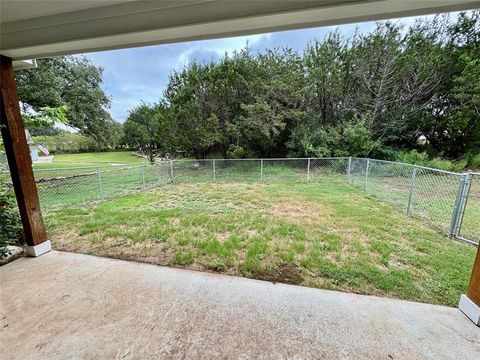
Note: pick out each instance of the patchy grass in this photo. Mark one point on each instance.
(327, 235)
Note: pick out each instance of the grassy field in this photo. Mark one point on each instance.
(324, 234)
(103, 158)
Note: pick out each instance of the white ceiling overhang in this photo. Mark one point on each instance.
(42, 28)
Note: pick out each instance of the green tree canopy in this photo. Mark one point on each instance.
(73, 82)
(372, 95)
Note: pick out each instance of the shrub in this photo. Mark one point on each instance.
(314, 142)
(235, 152)
(422, 159)
(322, 141)
(473, 161)
(67, 143)
(10, 223)
(44, 131)
(359, 141)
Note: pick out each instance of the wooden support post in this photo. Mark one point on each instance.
(19, 161)
(470, 303)
(473, 291)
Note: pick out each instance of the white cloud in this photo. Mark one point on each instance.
(219, 46)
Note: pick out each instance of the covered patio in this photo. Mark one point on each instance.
(94, 308)
(62, 305)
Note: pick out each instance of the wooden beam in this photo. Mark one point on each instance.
(18, 155)
(473, 291)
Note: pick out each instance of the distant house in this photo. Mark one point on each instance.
(31, 145)
(27, 109)
(422, 140)
(3, 158)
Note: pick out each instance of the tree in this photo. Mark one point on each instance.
(453, 127)
(140, 130)
(373, 95)
(194, 126)
(46, 116)
(74, 82)
(44, 131)
(326, 67)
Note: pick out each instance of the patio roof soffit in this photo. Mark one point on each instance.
(44, 28)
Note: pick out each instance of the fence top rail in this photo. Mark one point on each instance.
(259, 159)
(413, 165)
(123, 166)
(126, 166)
(67, 168)
(311, 158)
(177, 160)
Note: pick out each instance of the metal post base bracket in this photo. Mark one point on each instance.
(39, 249)
(469, 308)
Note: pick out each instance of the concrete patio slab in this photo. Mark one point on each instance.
(72, 306)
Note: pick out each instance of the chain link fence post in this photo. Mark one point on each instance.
(214, 173)
(159, 166)
(171, 169)
(463, 202)
(308, 170)
(459, 204)
(100, 187)
(366, 174)
(412, 189)
(349, 170)
(142, 171)
(261, 169)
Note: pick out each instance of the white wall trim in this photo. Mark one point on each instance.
(39, 249)
(469, 308)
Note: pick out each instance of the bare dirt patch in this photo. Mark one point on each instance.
(251, 232)
(118, 248)
(282, 273)
(301, 211)
(174, 221)
(222, 236)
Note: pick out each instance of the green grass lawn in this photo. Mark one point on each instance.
(325, 234)
(118, 157)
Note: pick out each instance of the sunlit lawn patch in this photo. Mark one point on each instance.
(123, 157)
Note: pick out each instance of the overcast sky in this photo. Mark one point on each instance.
(133, 75)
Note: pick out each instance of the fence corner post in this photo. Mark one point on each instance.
(214, 172)
(366, 174)
(349, 170)
(308, 170)
(413, 181)
(261, 169)
(100, 186)
(171, 169)
(142, 169)
(459, 205)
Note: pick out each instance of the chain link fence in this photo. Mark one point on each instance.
(61, 187)
(447, 201)
(429, 194)
(437, 197)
